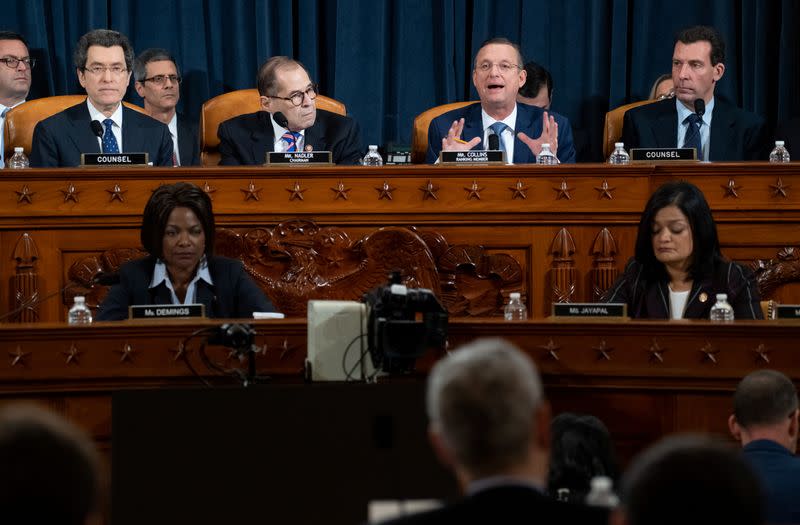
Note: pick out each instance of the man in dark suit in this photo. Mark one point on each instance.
(490, 424)
(498, 76)
(723, 133)
(103, 60)
(765, 421)
(158, 83)
(15, 76)
(286, 89)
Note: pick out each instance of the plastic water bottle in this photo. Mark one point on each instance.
(515, 309)
(619, 155)
(372, 158)
(18, 160)
(722, 311)
(601, 493)
(780, 153)
(546, 156)
(79, 313)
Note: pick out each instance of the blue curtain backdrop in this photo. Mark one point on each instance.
(389, 60)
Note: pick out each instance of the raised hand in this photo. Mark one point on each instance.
(453, 142)
(549, 136)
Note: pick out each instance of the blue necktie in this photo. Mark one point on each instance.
(692, 138)
(499, 128)
(109, 140)
(290, 137)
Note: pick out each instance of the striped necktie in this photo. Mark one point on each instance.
(290, 137)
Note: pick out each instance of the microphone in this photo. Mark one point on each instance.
(97, 129)
(494, 142)
(280, 118)
(700, 107)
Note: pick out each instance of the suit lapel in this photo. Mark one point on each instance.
(82, 136)
(665, 127)
(473, 125)
(205, 295)
(315, 136)
(719, 143)
(700, 299)
(160, 294)
(262, 137)
(185, 139)
(525, 123)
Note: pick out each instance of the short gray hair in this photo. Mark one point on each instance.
(153, 54)
(482, 400)
(102, 38)
(764, 397)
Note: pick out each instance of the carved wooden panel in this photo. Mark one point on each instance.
(563, 280)
(24, 283)
(604, 271)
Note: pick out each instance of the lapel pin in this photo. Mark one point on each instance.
(703, 297)
(309, 147)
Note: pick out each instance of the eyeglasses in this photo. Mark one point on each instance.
(505, 67)
(99, 70)
(297, 97)
(160, 80)
(13, 62)
(665, 96)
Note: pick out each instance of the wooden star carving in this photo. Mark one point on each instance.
(126, 353)
(385, 191)
(179, 352)
(25, 195)
(18, 357)
(474, 191)
(71, 193)
(605, 190)
(429, 191)
(209, 190)
(552, 349)
(73, 354)
(563, 190)
(731, 189)
(656, 352)
(779, 189)
(251, 192)
(519, 190)
(762, 353)
(286, 349)
(296, 192)
(340, 191)
(709, 353)
(603, 351)
(117, 193)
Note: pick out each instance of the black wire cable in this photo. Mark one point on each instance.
(184, 345)
(348, 374)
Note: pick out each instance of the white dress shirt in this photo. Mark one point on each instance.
(160, 275)
(508, 135)
(705, 129)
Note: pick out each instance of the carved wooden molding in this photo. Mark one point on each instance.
(562, 273)
(773, 273)
(25, 281)
(604, 272)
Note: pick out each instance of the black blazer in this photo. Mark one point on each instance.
(246, 139)
(233, 295)
(735, 134)
(58, 141)
(188, 144)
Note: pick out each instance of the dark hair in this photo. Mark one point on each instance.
(704, 34)
(537, 77)
(153, 54)
(690, 200)
(499, 40)
(764, 397)
(267, 78)
(581, 449)
(102, 38)
(693, 481)
(50, 468)
(11, 35)
(165, 199)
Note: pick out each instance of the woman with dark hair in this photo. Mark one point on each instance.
(178, 233)
(678, 267)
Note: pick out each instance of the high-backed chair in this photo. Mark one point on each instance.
(419, 140)
(235, 103)
(612, 131)
(21, 120)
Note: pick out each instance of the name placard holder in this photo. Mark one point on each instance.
(594, 310)
(166, 311)
(481, 157)
(663, 154)
(96, 160)
(299, 158)
(787, 311)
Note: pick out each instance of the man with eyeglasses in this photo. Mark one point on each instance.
(15, 77)
(498, 76)
(103, 60)
(285, 87)
(158, 83)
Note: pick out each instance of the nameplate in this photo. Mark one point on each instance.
(113, 159)
(299, 158)
(787, 311)
(165, 311)
(481, 156)
(663, 154)
(614, 310)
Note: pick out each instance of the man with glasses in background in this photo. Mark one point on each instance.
(288, 121)
(158, 83)
(103, 60)
(15, 77)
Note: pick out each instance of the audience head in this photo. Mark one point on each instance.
(691, 480)
(51, 470)
(538, 87)
(104, 59)
(498, 75)
(765, 406)
(698, 62)
(581, 449)
(677, 229)
(662, 88)
(487, 412)
(157, 80)
(15, 72)
(285, 87)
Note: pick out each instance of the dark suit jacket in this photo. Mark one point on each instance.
(779, 471)
(529, 121)
(233, 295)
(507, 505)
(58, 141)
(188, 144)
(735, 134)
(650, 300)
(246, 139)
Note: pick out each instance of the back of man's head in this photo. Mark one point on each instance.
(538, 77)
(764, 398)
(482, 400)
(691, 480)
(49, 471)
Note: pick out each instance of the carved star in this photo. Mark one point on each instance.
(180, 351)
(552, 349)
(296, 192)
(429, 191)
(18, 357)
(605, 190)
(73, 354)
(731, 189)
(603, 351)
(71, 193)
(474, 191)
(25, 194)
(126, 353)
(251, 192)
(709, 353)
(117, 193)
(286, 349)
(762, 353)
(779, 189)
(563, 190)
(385, 191)
(209, 189)
(340, 191)
(519, 190)
(656, 352)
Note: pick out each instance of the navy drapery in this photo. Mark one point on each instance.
(389, 60)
